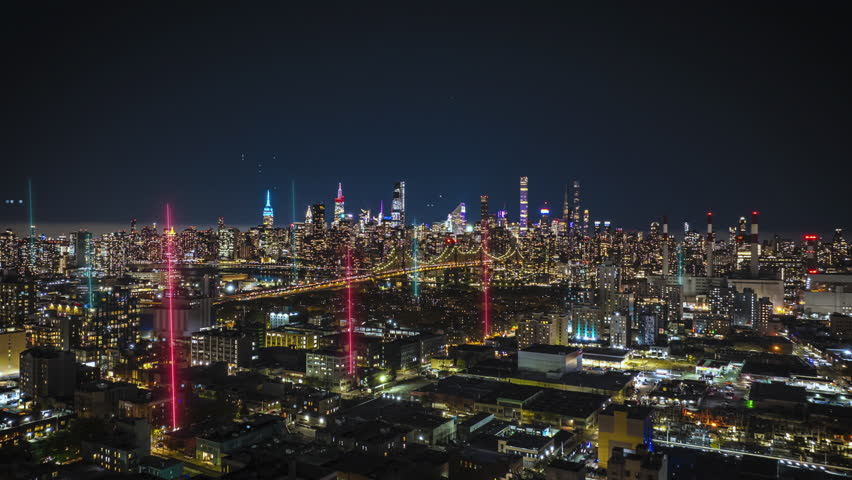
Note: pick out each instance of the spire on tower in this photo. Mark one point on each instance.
(339, 210)
(268, 214)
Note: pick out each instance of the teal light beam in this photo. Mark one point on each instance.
(32, 254)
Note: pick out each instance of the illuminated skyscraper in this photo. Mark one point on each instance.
(524, 204)
(267, 212)
(483, 211)
(339, 212)
(501, 218)
(398, 205)
(316, 217)
(577, 210)
(458, 219)
(545, 216)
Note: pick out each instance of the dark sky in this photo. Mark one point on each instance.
(655, 108)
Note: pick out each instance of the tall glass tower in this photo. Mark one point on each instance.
(398, 205)
(525, 205)
(339, 211)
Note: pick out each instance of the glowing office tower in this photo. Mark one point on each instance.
(267, 212)
(566, 206)
(754, 263)
(339, 212)
(398, 205)
(665, 268)
(483, 211)
(525, 205)
(545, 216)
(709, 243)
(502, 216)
(578, 212)
(458, 219)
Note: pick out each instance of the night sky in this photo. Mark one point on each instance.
(114, 111)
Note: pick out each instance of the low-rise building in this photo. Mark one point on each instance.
(552, 360)
(122, 448)
(159, 467)
(210, 446)
(532, 448)
(641, 464)
(220, 345)
(478, 464)
(624, 427)
(328, 366)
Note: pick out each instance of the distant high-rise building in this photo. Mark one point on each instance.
(339, 211)
(524, 205)
(502, 216)
(316, 217)
(545, 216)
(112, 322)
(483, 210)
(608, 288)
(267, 212)
(226, 239)
(458, 219)
(398, 205)
(577, 210)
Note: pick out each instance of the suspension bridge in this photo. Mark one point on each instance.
(396, 263)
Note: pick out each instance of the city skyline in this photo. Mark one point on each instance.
(286, 209)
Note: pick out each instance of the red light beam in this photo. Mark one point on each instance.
(350, 329)
(171, 310)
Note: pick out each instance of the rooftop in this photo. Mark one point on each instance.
(552, 349)
(527, 441)
(593, 352)
(570, 404)
(777, 391)
(158, 462)
(636, 413)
